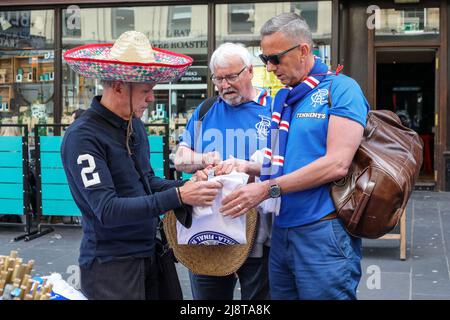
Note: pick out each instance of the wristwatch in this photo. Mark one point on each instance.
(274, 189)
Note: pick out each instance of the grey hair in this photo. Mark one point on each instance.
(289, 24)
(226, 51)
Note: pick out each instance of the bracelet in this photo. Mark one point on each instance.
(179, 196)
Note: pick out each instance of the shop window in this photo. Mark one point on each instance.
(77, 92)
(241, 18)
(122, 20)
(71, 22)
(410, 22)
(309, 11)
(241, 23)
(167, 27)
(179, 22)
(29, 29)
(26, 67)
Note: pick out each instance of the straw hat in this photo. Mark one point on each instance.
(130, 59)
(211, 260)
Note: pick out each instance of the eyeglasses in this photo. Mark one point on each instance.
(275, 58)
(231, 78)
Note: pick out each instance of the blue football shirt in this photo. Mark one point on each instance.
(308, 141)
(230, 130)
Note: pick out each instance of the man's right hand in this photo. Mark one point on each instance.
(201, 175)
(211, 158)
(200, 193)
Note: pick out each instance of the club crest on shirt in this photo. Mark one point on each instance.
(263, 127)
(320, 97)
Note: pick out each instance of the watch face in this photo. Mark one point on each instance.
(274, 191)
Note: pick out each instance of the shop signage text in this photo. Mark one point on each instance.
(182, 44)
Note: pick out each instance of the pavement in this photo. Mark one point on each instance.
(424, 275)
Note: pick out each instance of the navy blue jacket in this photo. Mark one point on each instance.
(119, 218)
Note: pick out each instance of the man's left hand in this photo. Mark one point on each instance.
(243, 199)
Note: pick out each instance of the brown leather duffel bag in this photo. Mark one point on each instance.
(371, 198)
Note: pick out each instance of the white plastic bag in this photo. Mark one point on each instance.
(209, 226)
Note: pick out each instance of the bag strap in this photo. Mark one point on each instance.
(205, 107)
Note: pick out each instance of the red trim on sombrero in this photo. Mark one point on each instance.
(87, 46)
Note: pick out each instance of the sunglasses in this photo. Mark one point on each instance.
(275, 58)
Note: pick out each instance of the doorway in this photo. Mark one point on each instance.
(406, 85)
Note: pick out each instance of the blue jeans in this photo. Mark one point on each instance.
(253, 277)
(318, 261)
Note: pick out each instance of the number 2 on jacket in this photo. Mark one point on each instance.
(90, 169)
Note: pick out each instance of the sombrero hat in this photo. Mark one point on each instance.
(211, 260)
(130, 59)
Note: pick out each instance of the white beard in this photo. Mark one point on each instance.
(233, 102)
